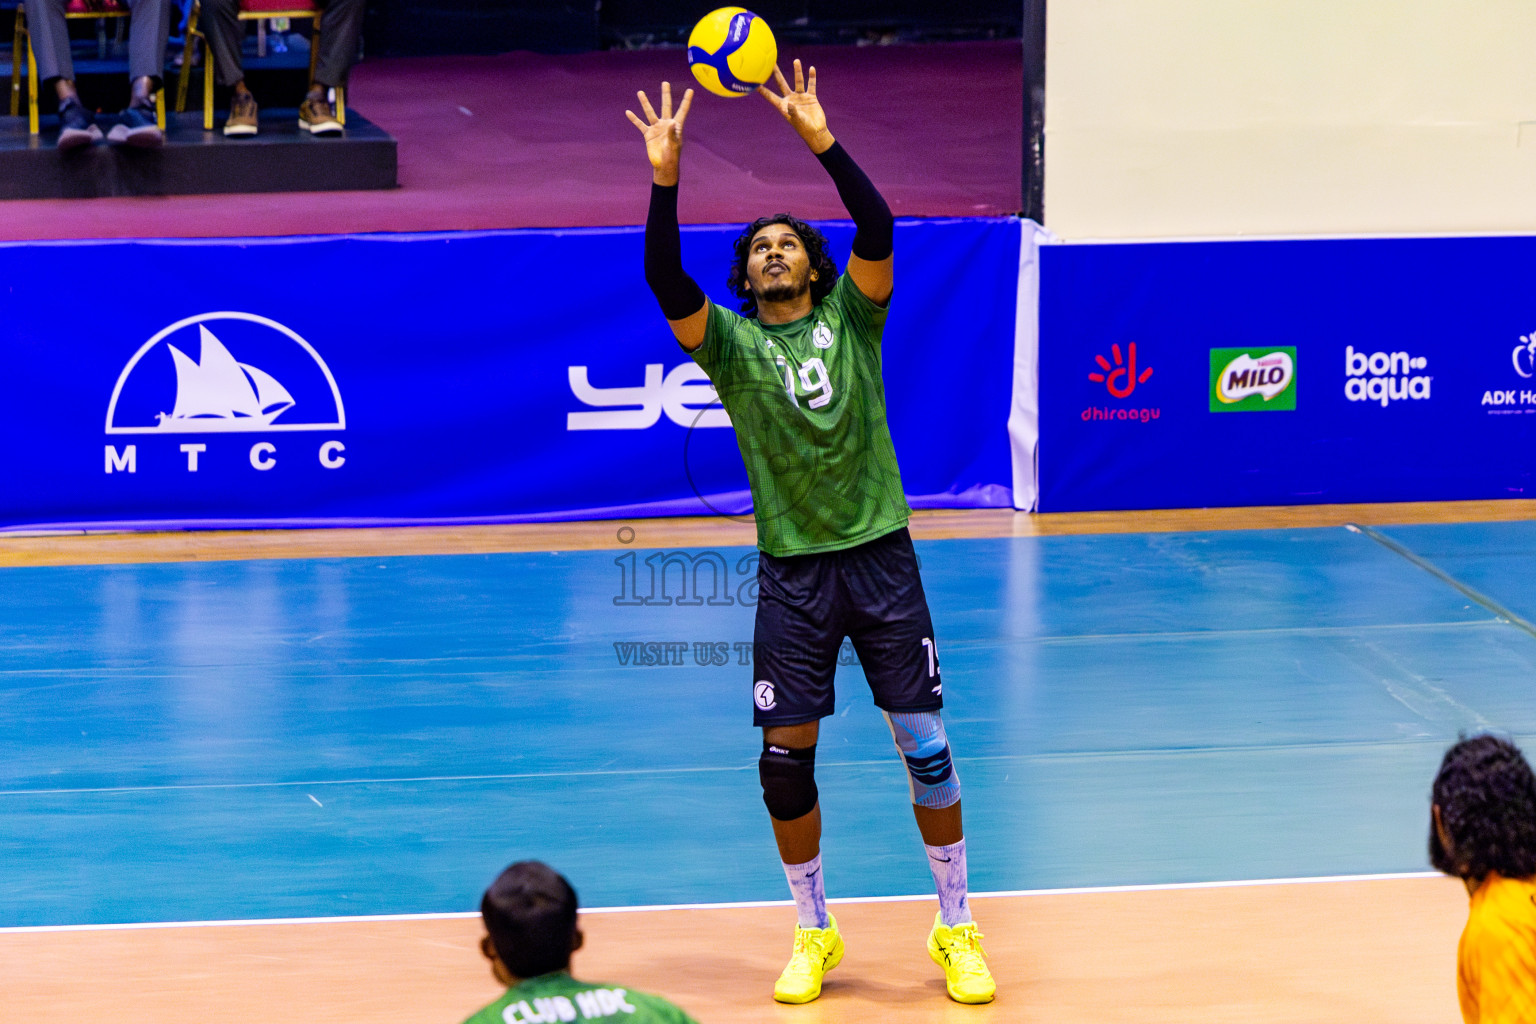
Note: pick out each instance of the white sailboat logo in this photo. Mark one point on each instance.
(218, 393)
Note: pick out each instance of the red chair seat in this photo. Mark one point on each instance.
(254, 6)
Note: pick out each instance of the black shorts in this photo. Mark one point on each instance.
(807, 604)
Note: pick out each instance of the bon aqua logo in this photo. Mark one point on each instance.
(1253, 379)
(1385, 377)
(1121, 375)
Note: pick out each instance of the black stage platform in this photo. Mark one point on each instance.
(192, 162)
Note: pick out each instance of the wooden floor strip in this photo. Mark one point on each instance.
(710, 531)
(1379, 950)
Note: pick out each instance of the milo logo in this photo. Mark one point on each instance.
(1253, 379)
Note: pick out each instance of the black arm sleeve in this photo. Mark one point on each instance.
(875, 227)
(679, 295)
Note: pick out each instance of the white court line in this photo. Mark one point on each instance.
(882, 761)
(461, 915)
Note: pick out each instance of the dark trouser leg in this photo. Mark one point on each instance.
(340, 28)
(148, 29)
(50, 40)
(221, 24)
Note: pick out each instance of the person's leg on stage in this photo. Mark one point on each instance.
(225, 33)
(50, 44)
(149, 27)
(340, 27)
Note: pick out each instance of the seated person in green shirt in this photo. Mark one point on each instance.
(530, 924)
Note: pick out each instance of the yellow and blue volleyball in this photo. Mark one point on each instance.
(732, 51)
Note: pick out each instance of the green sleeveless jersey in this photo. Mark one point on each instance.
(808, 405)
(555, 997)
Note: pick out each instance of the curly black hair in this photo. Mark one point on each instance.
(815, 249)
(1487, 798)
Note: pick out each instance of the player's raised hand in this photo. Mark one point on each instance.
(663, 134)
(800, 107)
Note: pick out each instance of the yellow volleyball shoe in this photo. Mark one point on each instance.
(958, 950)
(817, 951)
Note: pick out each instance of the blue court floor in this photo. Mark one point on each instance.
(212, 741)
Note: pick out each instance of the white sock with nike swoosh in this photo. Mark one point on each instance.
(810, 893)
(949, 880)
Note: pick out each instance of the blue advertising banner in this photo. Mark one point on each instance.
(495, 376)
(1189, 374)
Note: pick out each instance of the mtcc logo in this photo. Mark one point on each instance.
(1524, 355)
(224, 373)
(1384, 376)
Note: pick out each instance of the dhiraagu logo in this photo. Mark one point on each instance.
(1253, 379)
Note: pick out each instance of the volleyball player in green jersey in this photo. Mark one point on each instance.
(530, 933)
(799, 373)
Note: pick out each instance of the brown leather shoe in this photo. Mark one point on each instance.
(317, 117)
(242, 115)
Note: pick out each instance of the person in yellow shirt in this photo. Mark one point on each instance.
(1483, 831)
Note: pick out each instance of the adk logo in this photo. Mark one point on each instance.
(1384, 377)
(1253, 379)
(1524, 356)
(1518, 399)
(224, 373)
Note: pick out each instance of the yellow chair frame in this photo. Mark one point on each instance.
(313, 13)
(20, 31)
(23, 36)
